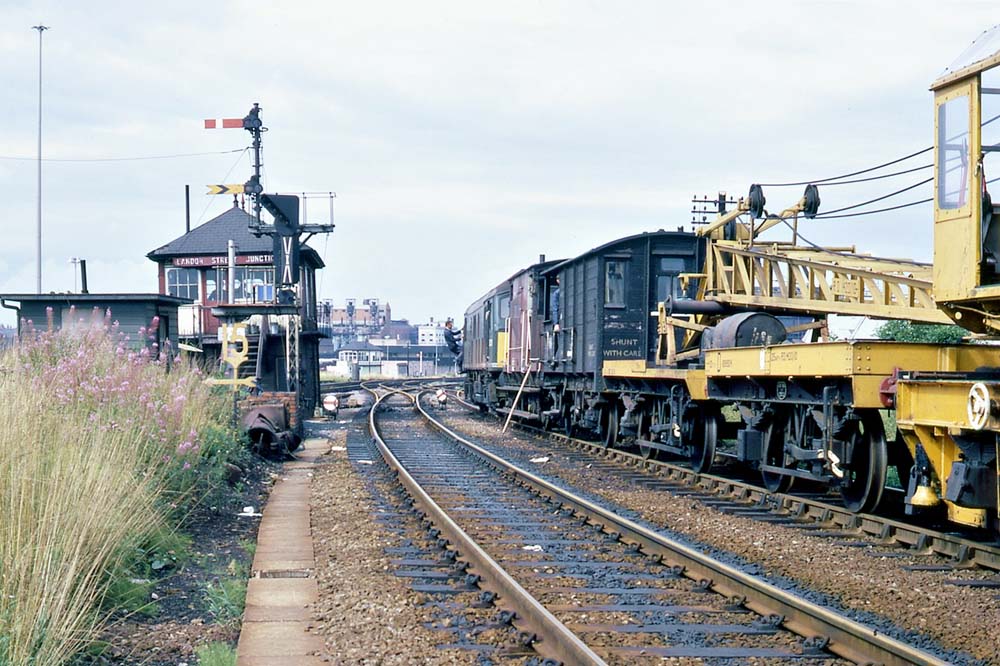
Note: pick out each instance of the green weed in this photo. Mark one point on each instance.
(225, 599)
(131, 596)
(216, 654)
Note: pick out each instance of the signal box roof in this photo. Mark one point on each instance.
(212, 238)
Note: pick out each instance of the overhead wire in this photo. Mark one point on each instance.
(118, 159)
(888, 175)
(882, 210)
(239, 158)
(839, 180)
(785, 221)
(818, 181)
(830, 180)
(876, 199)
(877, 210)
(833, 214)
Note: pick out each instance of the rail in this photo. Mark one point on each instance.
(961, 549)
(847, 638)
(921, 539)
(559, 642)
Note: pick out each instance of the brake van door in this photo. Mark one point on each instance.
(624, 305)
(663, 282)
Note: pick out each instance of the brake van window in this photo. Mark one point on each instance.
(614, 283)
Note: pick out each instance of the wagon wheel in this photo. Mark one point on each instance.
(774, 455)
(864, 479)
(703, 435)
(567, 420)
(545, 403)
(642, 432)
(610, 426)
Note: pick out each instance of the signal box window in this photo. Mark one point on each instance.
(257, 284)
(614, 283)
(183, 282)
(250, 285)
(953, 153)
(210, 287)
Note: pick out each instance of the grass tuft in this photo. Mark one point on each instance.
(225, 598)
(101, 455)
(216, 654)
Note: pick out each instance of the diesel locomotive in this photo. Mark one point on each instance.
(712, 345)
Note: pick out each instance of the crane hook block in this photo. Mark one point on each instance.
(756, 201)
(811, 197)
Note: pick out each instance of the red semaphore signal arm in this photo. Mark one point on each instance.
(224, 123)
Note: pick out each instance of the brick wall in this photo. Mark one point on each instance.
(272, 398)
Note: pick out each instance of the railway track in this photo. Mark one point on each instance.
(587, 586)
(821, 513)
(347, 387)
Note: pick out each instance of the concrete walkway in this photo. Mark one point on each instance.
(283, 582)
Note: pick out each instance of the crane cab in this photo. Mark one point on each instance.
(966, 225)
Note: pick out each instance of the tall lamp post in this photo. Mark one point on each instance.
(76, 262)
(38, 246)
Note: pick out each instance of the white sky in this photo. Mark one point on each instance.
(463, 139)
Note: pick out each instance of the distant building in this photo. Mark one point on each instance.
(360, 352)
(400, 329)
(369, 313)
(358, 360)
(355, 330)
(431, 334)
(416, 360)
(356, 320)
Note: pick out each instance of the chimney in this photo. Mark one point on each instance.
(541, 258)
(83, 277)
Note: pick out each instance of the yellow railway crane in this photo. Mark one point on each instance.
(946, 397)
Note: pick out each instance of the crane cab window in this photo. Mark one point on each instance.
(989, 134)
(667, 283)
(614, 283)
(953, 153)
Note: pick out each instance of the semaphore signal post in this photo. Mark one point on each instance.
(290, 301)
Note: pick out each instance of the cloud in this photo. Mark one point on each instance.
(462, 139)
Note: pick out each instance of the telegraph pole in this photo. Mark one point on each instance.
(38, 245)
